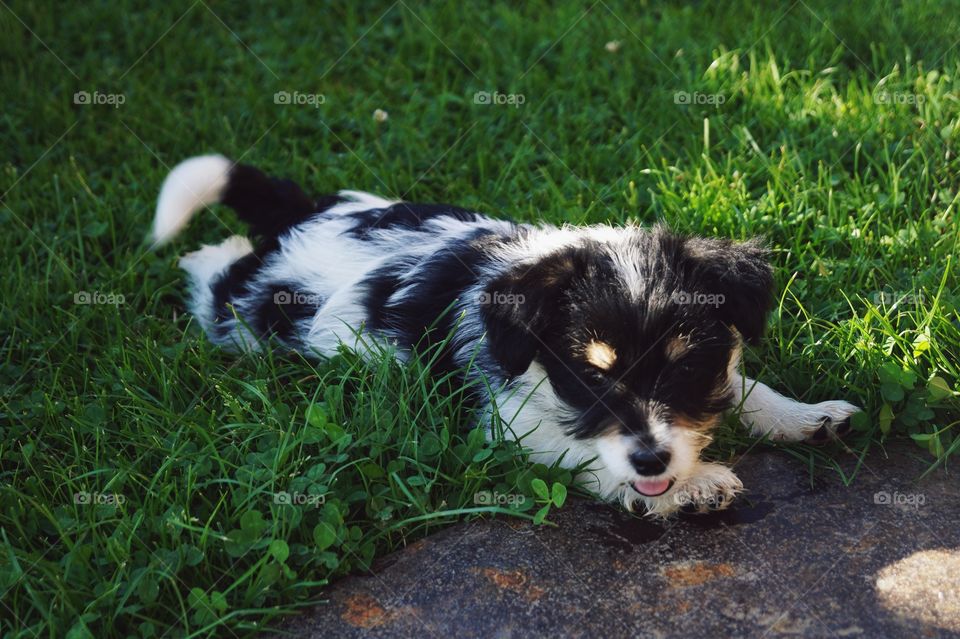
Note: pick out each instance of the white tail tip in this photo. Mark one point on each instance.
(191, 185)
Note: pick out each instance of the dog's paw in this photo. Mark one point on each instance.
(833, 421)
(711, 487)
(714, 487)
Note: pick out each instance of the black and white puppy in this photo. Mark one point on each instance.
(620, 345)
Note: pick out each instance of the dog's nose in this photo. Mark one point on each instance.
(649, 462)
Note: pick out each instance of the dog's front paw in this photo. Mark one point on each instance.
(710, 487)
(714, 487)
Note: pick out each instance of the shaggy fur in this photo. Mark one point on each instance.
(617, 345)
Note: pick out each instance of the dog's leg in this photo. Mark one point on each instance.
(205, 266)
(767, 412)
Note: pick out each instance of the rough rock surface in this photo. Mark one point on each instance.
(878, 558)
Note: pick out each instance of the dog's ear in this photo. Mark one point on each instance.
(520, 306)
(737, 271)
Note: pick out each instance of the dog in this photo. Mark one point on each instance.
(617, 347)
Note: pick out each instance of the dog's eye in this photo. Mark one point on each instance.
(597, 375)
(686, 366)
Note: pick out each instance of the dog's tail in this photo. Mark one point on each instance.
(267, 204)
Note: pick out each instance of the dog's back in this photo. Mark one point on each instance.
(324, 269)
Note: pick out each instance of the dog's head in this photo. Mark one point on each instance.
(638, 332)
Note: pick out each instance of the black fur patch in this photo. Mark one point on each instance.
(524, 305)
(274, 313)
(234, 283)
(281, 308)
(326, 202)
(379, 285)
(407, 216)
(738, 272)
(269, 205)
(423, 317)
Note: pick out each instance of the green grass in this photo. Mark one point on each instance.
(836, 138)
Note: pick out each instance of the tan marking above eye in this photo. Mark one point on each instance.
(601, 355)
(677, 347)
(707, 423)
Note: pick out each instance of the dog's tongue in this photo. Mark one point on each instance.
(651, 488)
